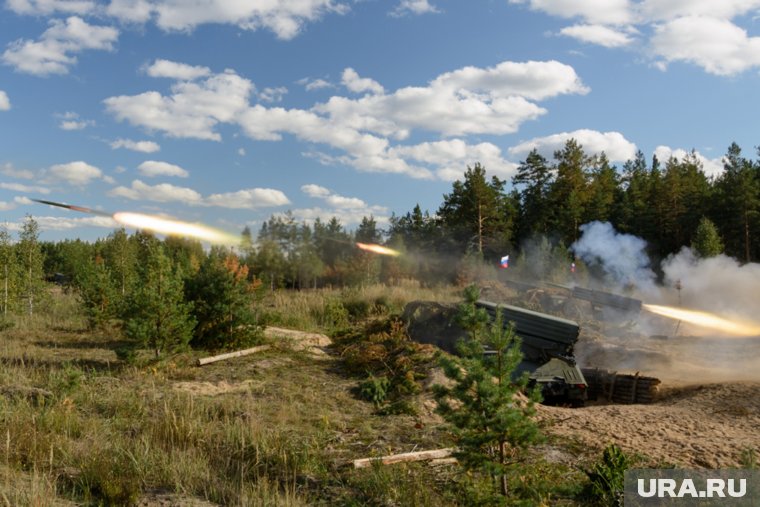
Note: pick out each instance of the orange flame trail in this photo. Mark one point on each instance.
(705, 319)
(378, 249)
(176, 227)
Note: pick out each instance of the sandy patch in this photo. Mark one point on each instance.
(213, 388)
(702, 426)
(314, 343)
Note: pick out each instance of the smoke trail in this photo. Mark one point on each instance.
(717, 284)
(622, 257)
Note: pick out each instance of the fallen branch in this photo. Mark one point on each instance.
(404, 458)
(230, 355)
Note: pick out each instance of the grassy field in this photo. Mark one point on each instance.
(80, 427)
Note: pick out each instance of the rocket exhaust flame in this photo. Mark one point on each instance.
(378, 249)
(706, 319)
(175, 227)
(157, 224)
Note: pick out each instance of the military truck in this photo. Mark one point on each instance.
(547, 346)
(546, 343)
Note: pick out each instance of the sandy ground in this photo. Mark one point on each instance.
(698, 426)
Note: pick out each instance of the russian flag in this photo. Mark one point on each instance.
(505, 261)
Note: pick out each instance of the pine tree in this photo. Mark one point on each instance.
(535, 177)
(222, 298)
(569, 193)
(157, 315)
(8, 273)
(30, 261)
(491, 424)
(706, 241)
(99, 294)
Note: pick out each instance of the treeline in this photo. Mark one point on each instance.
(670, 204)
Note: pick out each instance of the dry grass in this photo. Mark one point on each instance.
(78, 427)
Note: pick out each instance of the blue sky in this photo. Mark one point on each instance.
(228, 111)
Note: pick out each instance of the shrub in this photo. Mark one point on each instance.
(607, 477)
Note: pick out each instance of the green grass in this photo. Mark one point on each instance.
(80, 427)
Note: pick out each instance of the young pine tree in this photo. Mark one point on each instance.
(490, 421)
(223, 299)
(157, 315)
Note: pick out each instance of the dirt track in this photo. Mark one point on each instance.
(701, 426)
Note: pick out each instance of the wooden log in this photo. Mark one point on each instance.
(404, 457)
(230, 355)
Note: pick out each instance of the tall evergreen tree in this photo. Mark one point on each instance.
(8, 272)
(535, 177)
(157, 315)
(477, 213)
(30, 261)
(706, 241)
(569, 195)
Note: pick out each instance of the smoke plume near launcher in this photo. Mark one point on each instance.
(706, 320)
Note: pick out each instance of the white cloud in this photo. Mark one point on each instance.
(347, 217)
(314, 84)
(711, 167)
(46, 7)
(285, 18)
(153, 168)
(130, 11)
(163, 192)
(192, 110)
(272, 94)
(63, 223)
(30, 189)
(717, 45)
(7, 206)
(72, 121)
(613, 144)
(671, 9)
(141, 146)
(249, 198)
(333, 199)
(176, 70)
(356, 84)
(5, 102)
(598, 34)
(54, 52)
(25, 174)
(74, 173)
(614, 12)
(413, 7)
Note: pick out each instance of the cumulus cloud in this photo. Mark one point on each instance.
(249, 198)
(77, 173)
(717, 45)
(163, 192)
(705, 33)
(5, 102)
(711, 167)
(46, 7)
(153, 168)
(468, 101)
(141, 146)
(54, 52)
(349, 210)
(356, 84)
(272, 94)
(333, 199)
(285, 18)
(314, 84)
(613, 144)
(413, 7)
(598, 34)
(192, 110)
(72, 121)
(176, 70)
(607, 12)
(30, 189)
(49, 223)
(8, 170)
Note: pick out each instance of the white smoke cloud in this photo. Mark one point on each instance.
(621, 257)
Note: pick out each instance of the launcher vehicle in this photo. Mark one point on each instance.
(547, 346)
